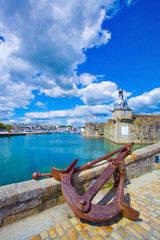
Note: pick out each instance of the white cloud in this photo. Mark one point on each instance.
(13, 94)
(56, 92)
(86, 79)
(40, 104)
(97, 93)
(50, 37)
(147, 102)
(76, 121)
(77, 112)
(6, 112)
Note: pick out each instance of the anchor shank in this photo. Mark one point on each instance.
(122, 155)
(85, 200)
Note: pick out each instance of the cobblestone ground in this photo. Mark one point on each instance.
(145, 199)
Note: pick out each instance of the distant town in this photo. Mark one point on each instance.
(19, 129)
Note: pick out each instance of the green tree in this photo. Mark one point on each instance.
(9, 127)
(2, 126)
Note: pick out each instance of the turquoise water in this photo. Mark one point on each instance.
(20, 156)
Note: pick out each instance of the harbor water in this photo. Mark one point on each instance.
(20, 156)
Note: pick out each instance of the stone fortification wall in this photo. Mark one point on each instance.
(94, 129)
(146, 128)
(146, 116)
(31, 197)
(142, 129)
(110, 130)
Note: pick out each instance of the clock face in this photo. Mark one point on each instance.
(119, 101)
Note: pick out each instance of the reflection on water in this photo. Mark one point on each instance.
(20, 156)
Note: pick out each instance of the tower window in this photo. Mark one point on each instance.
(124, 113)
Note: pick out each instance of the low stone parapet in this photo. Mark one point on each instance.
(143, 160)
(23, 199)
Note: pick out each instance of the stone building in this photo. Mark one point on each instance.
(125, 126)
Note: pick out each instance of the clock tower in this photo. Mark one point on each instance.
(121, 110)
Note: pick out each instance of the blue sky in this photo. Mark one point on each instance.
(61, 61)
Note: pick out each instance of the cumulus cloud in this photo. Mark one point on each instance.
(13, 94)
(57, 91)
(147, 102)
(78, 111)
(6, 112)
(40, 104)
(97, 93)
(86, 79)
(50, 37)
(76, 121)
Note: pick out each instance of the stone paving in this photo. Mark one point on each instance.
(145, 199)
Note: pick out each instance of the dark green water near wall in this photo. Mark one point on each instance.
(20, 156)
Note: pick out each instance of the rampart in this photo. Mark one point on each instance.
(94, 129)
(140, 129)
(23, 199)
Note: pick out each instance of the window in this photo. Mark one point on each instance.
(124, 113)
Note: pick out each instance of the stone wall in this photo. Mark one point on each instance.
(110, 130)
(146, 128)
(141, 129)
(120, 114)
(31, 197)
(94, 129)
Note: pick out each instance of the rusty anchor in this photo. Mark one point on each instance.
(82, 206)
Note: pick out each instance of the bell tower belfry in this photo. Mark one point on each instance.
(121, 110)
(120, 92)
